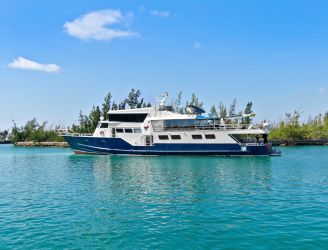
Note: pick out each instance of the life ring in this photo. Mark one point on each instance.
(146, 126)
(102, 133)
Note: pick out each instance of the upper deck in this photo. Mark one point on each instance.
(161, 120)
(204, 124)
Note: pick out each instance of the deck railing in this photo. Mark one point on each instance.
(65, 132)
(207, 127)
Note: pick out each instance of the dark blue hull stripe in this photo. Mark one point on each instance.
(162, 151)
(119, 146)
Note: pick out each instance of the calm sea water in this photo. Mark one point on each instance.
(51, 198)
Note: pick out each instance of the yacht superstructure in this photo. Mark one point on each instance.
(160, 131)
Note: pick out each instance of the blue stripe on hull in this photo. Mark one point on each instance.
(118, 146)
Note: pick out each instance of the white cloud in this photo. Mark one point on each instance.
(160, 13)
(197, 45)
(22, 63)
(95, 25)
(322, 91)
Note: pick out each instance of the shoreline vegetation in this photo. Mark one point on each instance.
(42, 144)
(289, 131)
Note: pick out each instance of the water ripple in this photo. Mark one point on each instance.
(51, 198)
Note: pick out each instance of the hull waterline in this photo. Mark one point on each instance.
(99, 145)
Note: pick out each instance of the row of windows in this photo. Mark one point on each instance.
(178, 137)
(140, 117)
(128, 130)
(120, 130)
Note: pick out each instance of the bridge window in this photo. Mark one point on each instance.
(175, 137)
(137, 130)
(163, 137)
(127, 117)
(210, 136)
(119, 130)
(104, 125)
(128, 130)
(179, 123)
(197, 137)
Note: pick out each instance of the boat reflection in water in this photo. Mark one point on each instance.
(163, 180)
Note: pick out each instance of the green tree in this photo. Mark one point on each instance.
(140, 103)
(177, 103)
(16, 134)
(3, 135)
(94, 118)
(106, 106)
(133, 99)
(122, 105)
(222, 110)
(295, 118)
(288, 118)
(115, 106)
(232, 108)
(84, 122)
(195, 101)
(325, 120)
(213, 113)
(248, 110)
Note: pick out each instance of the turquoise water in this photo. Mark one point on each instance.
(51, 198)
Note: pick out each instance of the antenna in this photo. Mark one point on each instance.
(162, 100)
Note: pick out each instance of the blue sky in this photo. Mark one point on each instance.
(61, 56)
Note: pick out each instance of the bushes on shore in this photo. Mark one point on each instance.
(34, 131)
(291, 129)
(3, 135)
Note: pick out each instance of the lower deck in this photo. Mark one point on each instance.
(101, 145)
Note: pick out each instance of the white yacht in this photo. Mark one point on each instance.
(160, 131)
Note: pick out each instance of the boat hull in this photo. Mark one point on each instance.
(102, 145)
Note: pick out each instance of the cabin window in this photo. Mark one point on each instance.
(163, 137)
(210, 136)
(179, 123)
(128, 130)
(119, 130)
(197, 137)
(175, 137)
(104, 125)
(137, 130)
(127, 117)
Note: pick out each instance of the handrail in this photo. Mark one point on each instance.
(209, 127)
(65, 132)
